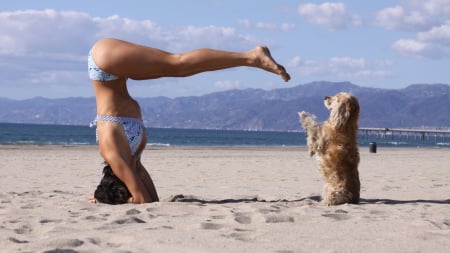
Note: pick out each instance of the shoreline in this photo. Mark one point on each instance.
(153, 147)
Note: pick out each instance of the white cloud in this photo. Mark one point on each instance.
(266, 25)
(245, 22)
(333, 16)
(397, 18)
(294, 62)
(434, 7)
(226, 85)
(347, 68)
(414, 15)
(56, 32)
(287, 27)
(188, 38)
(409, 46)
(429, 20)
(346, 62)
(438, 35)
(433, 44)
(25, 32)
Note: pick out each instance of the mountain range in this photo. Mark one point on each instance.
(418, 105)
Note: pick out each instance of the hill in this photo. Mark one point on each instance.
(253, 109)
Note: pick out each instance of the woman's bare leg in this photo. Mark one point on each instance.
(133, 61)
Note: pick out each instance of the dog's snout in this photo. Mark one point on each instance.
(326, 98)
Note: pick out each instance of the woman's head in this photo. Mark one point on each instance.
(111, 189)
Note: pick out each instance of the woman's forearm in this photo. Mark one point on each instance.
(148, 182)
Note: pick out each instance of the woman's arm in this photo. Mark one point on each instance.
(148, 182)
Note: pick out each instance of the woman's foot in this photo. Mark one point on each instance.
(263, 59)
(92, 200)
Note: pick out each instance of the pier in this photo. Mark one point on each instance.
(405, 133)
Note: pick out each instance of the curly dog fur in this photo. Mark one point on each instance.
(335, 146)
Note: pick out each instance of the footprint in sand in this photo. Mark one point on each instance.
(444, 225)
(279, 218)
(242, 235)
(24, 229)
(129, 220)
(31, 206)
(15, 240)
(45, 221)
(60, 244)
(4, 200)
(61, 251)
(337, 215)
(218, 217)
(211, 226)
(447, 223)
(94, 241)
(133, 212)
(95, 218)
(243, 218)
(271, 209)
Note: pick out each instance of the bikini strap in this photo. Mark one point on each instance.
(112, 119)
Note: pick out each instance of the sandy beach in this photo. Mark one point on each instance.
(224, 200)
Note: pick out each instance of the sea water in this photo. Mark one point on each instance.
(33, 134)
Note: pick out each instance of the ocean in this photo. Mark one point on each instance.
(32, 134)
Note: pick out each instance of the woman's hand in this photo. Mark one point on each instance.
(130, 200)
(92, 200)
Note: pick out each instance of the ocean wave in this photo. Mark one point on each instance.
(38, 142)
(397, 143)
(158, 144)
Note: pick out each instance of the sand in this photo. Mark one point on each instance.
(224, 200)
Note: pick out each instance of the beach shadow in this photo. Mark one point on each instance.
(195, 199)
(400, 202)
(254, 199)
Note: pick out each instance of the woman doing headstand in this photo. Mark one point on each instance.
(121, 134)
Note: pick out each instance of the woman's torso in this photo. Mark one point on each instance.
(113, 99)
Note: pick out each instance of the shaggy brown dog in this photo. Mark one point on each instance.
(335, 145)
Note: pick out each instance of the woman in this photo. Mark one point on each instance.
(120, 132)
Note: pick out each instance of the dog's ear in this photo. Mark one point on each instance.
(354, 106)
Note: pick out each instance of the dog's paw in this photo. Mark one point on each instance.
(302, 114)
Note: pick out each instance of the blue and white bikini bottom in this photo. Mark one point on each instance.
(134, 129)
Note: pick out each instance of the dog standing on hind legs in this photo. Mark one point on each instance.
(335, 146)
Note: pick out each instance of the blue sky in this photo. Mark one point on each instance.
(383, 43)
